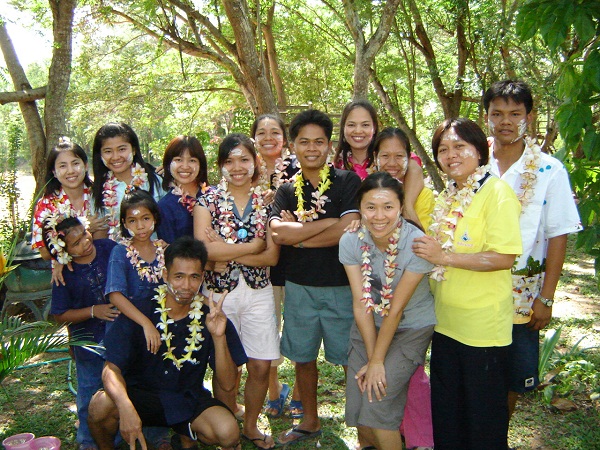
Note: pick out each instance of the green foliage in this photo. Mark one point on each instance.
(571, 29)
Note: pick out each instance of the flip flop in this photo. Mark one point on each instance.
(300, 435)
(296, 405)
(255, 440)
(278, 403)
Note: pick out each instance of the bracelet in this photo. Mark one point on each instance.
(93, 311)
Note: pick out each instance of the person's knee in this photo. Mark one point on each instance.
(259, 368)
(228, 433)
(101, 408)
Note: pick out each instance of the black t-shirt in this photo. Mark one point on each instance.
(318, 266)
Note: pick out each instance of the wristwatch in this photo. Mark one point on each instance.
(546, 301)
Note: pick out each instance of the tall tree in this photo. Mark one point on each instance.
(225, 36)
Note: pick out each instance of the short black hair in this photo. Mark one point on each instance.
(311, 117)
(186, 247)
(232, 141)
(517, 91)
(139, 197)
(177, 147)
(467, 130)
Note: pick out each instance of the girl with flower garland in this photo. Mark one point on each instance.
(474, 239)
(359, 127)
(277, 167)
(80, 302)
(393, 311)
(185, 179)
(68, 187)
(232, 221)
(119, 166)
(135, 271)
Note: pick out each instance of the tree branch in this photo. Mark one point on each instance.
(29, 95)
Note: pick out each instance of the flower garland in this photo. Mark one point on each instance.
(193, 340)
(389, 268)
(449, 208)
(226, 216)
(151, 273)
(318, 200)
(111, 200)
(531, 166)
(188, 201)
(277, 179)
(62, 198)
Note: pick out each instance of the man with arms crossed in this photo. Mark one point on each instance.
(166, 388)
(308, 218)
(548, 215)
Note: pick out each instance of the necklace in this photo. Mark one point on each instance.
(318, 200)
(193, 340)
(111, 200)
(531, 165)
(188, 201)
(226, 216)
(449, 208)
(389, 268)
(151, 273)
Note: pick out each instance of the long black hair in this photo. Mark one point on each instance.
(343, 147)
(111, 130)
(64, 145)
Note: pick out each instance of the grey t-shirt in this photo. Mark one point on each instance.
(419, 312)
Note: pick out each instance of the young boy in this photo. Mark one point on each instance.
(81, 303)
(548, 215)
(308, 218)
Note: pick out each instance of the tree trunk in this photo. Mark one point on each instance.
(272, 59)
(29, 110)
(395, 112)
(55, 116)
(248, 57)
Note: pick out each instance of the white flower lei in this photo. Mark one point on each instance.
(226, 216)
(531, 166)
(150, 272)
(193, 340)
(318, 200)
(449, 208)
(389, 266)
(110, 199)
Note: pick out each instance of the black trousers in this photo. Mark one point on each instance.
(469, 395)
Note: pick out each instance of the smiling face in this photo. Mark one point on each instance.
(457, 158)
(380, 211)
(139, 221)
(269, 138)
(69, 170)
(312, 147)
(185, 168)
(79, 243)
(392, 158)
(239, 166)
(184, 278)
(359, 129)
(117, 154)
(507, 120)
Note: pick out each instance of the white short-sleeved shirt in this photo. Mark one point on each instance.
(551, 212)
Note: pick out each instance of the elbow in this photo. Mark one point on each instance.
(507, 262)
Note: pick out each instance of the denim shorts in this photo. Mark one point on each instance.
(524, 356)
(315, 314)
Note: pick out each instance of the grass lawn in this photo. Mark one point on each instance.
(38, 400)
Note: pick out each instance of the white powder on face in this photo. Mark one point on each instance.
(521, 131)
(130, 158)
(491, 126)
(379, 196)
(152, 227)
(172, 167)
(236, 152)
(251, 170)
(469, 153)
(135, 212)
(105, 161)
(451, 135)
(226, 173)
(131, 232)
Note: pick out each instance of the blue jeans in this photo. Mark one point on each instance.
(89, 380)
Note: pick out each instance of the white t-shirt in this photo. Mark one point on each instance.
(551, 212)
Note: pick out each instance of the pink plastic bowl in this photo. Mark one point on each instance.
(45, 443)
(18, 441)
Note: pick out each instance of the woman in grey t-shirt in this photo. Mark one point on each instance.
(393, 311)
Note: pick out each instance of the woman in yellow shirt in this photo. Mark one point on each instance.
(474, 240)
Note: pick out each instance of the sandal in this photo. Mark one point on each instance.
(278, 404)
(296, 410)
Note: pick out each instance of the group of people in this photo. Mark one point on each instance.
(170, 275)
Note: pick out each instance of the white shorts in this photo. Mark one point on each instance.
(252, 312)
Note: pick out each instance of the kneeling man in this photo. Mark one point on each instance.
(166, 388)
